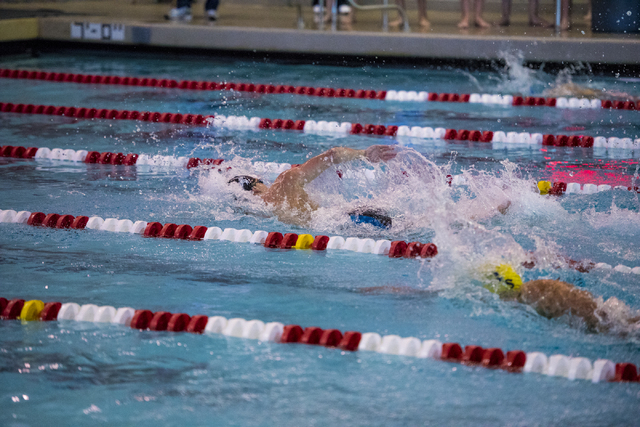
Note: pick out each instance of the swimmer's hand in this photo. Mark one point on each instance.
(380, 153)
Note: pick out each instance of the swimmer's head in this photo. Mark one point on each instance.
(249, 183)
(503, 279)
(374, 217)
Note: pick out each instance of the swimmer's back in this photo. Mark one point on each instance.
(554, 298)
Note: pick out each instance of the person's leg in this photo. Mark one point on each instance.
(534, 18)
(182, 11)
(464, 22)
(565, 19)
(211, 9)
(422, 13)
(506, 13)
(478, 15)
(398, 21)
(587, 17)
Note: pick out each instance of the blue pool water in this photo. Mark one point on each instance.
(85, 373)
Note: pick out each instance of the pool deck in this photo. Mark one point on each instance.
(274, 29)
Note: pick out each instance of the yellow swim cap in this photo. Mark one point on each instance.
(504, 278)
(544, 187)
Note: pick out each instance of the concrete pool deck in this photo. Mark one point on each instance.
(274, 29)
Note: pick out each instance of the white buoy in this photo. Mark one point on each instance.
(272, 332)
(370, 341)
(431, 349)
(105, 314)
(215, 325)
(536, 363)
(123, 316)
(68, 311)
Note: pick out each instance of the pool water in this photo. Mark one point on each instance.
(80, 373)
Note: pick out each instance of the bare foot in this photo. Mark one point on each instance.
(482, 23)
(587, 17)
(504, 22)
(396, 22)
(565, 25)
(536, 21)
(424, 22)
(464, 23)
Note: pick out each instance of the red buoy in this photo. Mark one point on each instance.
(50, 311)
(36, 218)
(330, 338)
(429, 250)
(141, 319)
(492, 357)
(182, 231)
(198, 232)
(288, 241)
(51, 220)
(473, 354)
(311, 335)
(160, 321)
(320, 243)
(413, 250)
(152, 229)
(397, 249)
(515, 359)
(13, 309)
(626, 372)
(80, 222)
(451, 351)
(273, 240)
(197, 324)
(168, 230)
(291, 334)
(65, 221)
(178, 322)
(350, 341)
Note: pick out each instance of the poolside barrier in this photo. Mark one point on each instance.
(274, 240)
(572, 368)
(329, 128)
(390, 95)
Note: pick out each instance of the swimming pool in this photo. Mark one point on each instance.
(81, 372)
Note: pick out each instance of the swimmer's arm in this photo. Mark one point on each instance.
(314, 167)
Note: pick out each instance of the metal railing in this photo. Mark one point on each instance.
(334, 14)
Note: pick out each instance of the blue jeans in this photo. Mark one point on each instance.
(209, 5)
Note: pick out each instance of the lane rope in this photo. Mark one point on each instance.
(273, 240)
(263, 168)
(390, 95)
(517, 361)
(330, 128)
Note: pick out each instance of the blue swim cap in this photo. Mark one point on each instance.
(371, 216)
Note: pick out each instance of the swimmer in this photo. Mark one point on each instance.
(551, 298)
(571, 89)
(288, 197)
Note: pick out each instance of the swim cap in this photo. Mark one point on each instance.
(247, 182)
(374, 217)
(503, 279)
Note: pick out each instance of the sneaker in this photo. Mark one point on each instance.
(212, 15)
(344, 9)
(179, 14)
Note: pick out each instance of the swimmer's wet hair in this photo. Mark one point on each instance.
(248, 182)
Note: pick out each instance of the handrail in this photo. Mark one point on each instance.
(400, 10)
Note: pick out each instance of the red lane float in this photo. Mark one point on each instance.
(191, 84)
